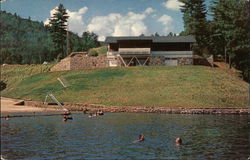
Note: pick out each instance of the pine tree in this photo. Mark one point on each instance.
(195, 23)
(58, 29)
(231, 21)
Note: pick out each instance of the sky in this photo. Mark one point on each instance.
(106, 17)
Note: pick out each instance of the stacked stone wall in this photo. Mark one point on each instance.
(115, 60)
(185, 61)
(137, 109)
(156, 61)
(63, 65)
(160, 60)
(88, 62)
(71, 63)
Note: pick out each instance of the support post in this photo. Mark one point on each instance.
(138, 60)
(122, 61)
(145, 61)
(130, 60)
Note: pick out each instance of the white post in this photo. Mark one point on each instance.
(122, 61)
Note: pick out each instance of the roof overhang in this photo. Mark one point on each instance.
(155, 39)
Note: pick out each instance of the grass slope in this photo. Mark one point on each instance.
(183, 86)
(14, 74)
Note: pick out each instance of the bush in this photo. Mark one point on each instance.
(93, 52)
(2, 85)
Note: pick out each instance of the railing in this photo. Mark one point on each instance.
(134, 50)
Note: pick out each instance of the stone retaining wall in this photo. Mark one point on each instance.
(156, 61)
(63, 65)
(88, 62)
(71, 63)
(160, 60)
(185, 61)
(130, 109)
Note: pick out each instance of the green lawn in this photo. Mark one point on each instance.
(182, 86)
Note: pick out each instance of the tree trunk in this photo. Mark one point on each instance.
(230, 63)
(225, 54)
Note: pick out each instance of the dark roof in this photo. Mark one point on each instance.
(159, 39)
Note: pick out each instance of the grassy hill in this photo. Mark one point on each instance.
(183, 86)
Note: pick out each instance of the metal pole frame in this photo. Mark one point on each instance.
(122, 60)
(130, 61)
(138, 60)
(145, 61)
(134, 57)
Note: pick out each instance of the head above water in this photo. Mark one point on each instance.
(141, 137)
(178, 141)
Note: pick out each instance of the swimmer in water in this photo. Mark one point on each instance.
(100, 113)
(178, 141)
(90, 115)
(140, 139)
(65, 118)
(7, 117)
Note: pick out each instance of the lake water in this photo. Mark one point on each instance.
(110, 136)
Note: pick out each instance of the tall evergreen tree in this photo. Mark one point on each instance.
(59, 29)
(195, 23)
(231, 26)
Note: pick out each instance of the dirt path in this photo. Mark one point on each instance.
(8, 106)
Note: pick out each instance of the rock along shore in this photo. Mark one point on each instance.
(128, 109)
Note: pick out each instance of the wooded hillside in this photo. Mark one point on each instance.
(24, 41)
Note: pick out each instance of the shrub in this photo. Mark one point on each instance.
(2, 85)
(93, 52)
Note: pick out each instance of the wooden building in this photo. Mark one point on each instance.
(150, 50)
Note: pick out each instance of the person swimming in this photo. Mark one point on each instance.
(178, 141)
(7, 117)
(65, 118)
(90, 115)
(100, 113)
(140, 138)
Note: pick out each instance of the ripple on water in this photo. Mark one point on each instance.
(111, 137)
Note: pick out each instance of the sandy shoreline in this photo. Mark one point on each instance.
(8, 106)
